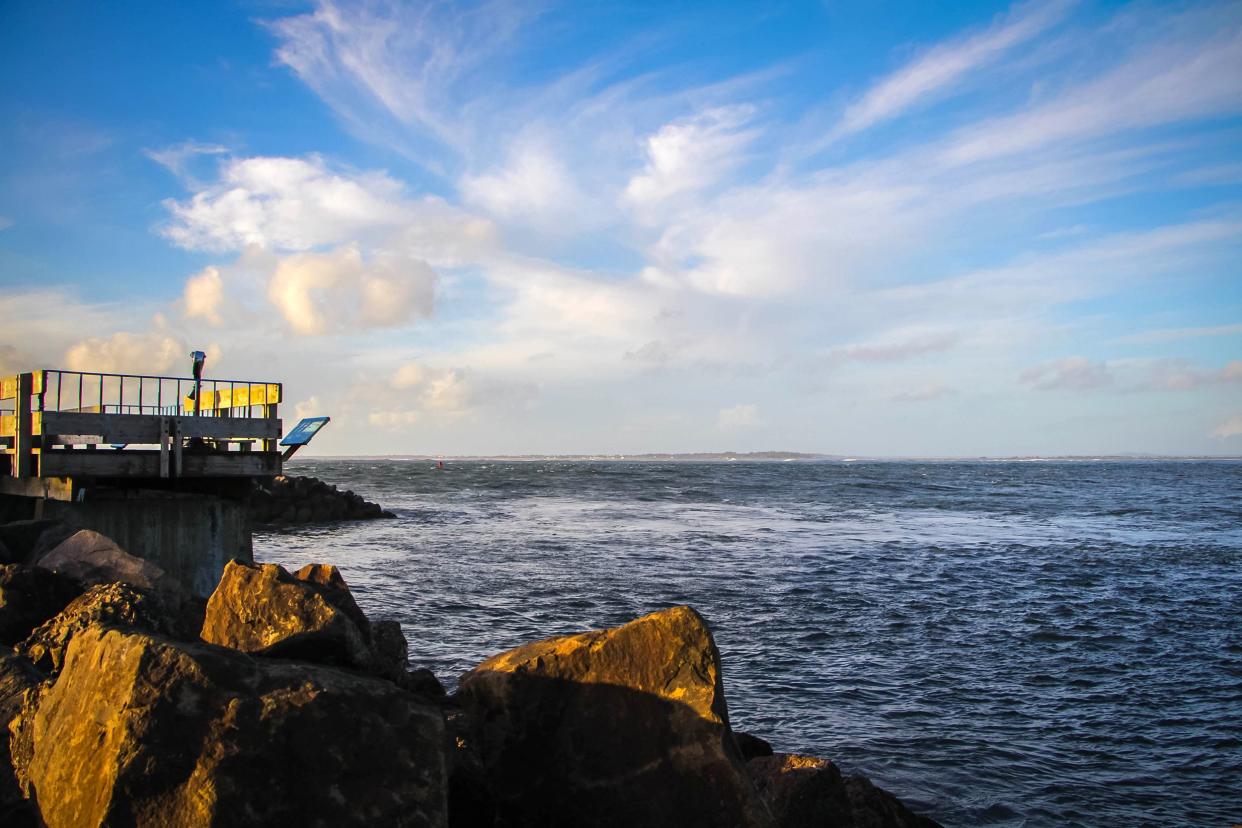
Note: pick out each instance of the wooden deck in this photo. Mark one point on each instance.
(58, 426)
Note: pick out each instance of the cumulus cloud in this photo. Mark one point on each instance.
(534, 187)
(340, 290)
(204, 295)
(1231, 427)
(155, 352)
(408, 376)
(1076, 373)
(739, 417)
(691, 154)
(286, 204)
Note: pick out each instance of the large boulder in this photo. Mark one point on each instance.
(113, 604)
(619, 727)
(140, 730)
(92, 558)
(28, 597)
(262, 609)
(807, 792)
(17, 676)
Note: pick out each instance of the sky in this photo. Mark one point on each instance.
(881, 228)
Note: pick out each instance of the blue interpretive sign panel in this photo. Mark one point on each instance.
(304, 431)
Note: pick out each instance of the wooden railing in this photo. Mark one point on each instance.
(45, 413)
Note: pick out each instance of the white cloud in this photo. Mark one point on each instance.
(204, 295)
(154, 352)
(1179, 375)
(1177, 80)
(691, 154)
(5, 223)
(407, 376)
(1231, 427)
(286, 204)
(738, 418)
(177, 158)
(948, 64)
(1076, 373)
(534, 187)
(340, 290)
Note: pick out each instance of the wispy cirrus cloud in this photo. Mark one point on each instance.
(941, 68)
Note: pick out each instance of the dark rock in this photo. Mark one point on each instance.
(751, 746)
(21, 536)
(874, 807)
(113, 604)
(262, 609)
(471, 804)
(17, 676)
(802, 791)
(92, 558)
(139, 730)
(423, 682)
(392, 652)
(806, 791)
(307, 500)
(28, 597)
(619, 727)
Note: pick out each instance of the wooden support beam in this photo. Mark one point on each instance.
(23, 456)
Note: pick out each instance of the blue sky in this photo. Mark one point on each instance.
(856, 228)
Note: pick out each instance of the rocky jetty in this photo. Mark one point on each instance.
(285, 501)
(278, 702)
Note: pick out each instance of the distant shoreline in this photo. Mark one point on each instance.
(774, 457)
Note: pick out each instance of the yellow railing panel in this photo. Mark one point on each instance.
(239, 397)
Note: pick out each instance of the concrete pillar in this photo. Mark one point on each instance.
(191, 537)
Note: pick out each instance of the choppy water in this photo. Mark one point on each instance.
(997, 643)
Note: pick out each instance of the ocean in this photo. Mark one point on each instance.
(997, 643)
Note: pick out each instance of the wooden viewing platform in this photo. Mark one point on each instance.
(60, 429)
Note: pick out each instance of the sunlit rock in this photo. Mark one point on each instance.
(619, 727)
(139, 730)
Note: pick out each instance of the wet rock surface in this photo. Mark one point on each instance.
(286, 500)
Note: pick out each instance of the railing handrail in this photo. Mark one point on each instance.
(155, 377)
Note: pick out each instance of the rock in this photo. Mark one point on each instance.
(802, 791)
(28, 597)
(262, 609)
(751, 746)
(619, 727)
(423, 682)
(806, 792)
(874, 807)
(17, 676)
(113, 604)
(139, 730)
(307, 500)
(21, 536)
(92, 558)
(392, 652)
